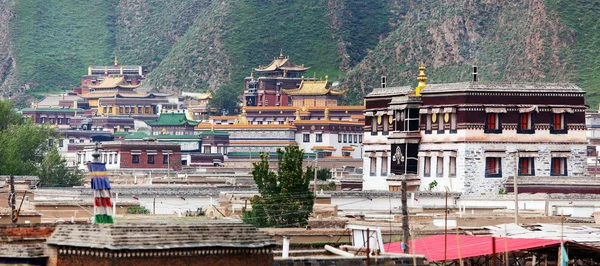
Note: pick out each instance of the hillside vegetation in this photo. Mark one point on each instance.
(212, 45)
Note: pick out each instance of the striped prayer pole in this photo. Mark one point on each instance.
(101, 187)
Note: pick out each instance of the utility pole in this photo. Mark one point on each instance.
(516, 188)
(368, 251)
(315, 181)
(12, 200)
(154, 206)
(405, 228)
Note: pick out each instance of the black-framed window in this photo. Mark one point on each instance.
(526, 123)
(453, 123)
(319, 138)
(493, 123)
(150, 159)
(439, 167)
(305, 137)
(359, 138)
(355, 138)
(526, 166)
(165, 159)
(559, 124)
(374, 125)
(345, 138)
(440, 123)
(558, 167)
(339, 138)
(452, 167)
(135, 159)
(493, 167)
(426, 166)
(428, 124)
(384, 166)
(373, 170)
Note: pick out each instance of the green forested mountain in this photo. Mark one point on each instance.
(211, 45)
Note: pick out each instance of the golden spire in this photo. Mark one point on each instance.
(252, 73)
(422, 79)
(105, 71)
(116, 61)
(326, 78)
(281, 53)
(297, 113)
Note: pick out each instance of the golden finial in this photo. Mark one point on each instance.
(422, 79)
(35, 104)
(105, 71)
(121, 70)
(326, 78)
(302, 77)
(116, 61)
(252, 73)
(287, 120)
(281, 53)
(297, 113)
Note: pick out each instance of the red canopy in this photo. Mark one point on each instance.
(470, 246)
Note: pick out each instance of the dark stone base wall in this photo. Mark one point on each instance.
(214, 260)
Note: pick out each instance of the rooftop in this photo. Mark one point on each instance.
(314, 87)
(114, 81)
(172, 119)
(389, 91)
(160, 236)
(58, 110)
(281, 63)
(502, 87)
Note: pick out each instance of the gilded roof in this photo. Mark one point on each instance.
(281, 63)
(198, 96)
(114, 94)
(314, 87)
(114, 81)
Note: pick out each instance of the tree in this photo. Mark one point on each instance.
(28, 149)
(324, 174)
(55, 173)
(285, 199)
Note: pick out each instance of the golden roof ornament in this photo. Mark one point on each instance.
(116, 61)
(105, 71)
(252, 74)
(422, 80)
(297, 113)
(281, 52)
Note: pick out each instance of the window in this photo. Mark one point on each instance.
(355, 138)
(105, 160)
(359, 138)
(558, 167)
(493, 167)
(110, 109)
(135, 159)
(306, 137)
(147, 110)
(558, 124)
(373, 170)
(440, 167)
(526, 167)
(339, 138)
(452, 167)
(526, 123)
(441, 123)
(374, 126)
(427, 166)
(207, 149)
(492, 123)
(60, 143)
(428, 124)
(110, 158)
(319, 138)
(384, 165)
(165, 159)
(71, 141)
(453, 123)
(345, 138)
(120, 109)
(150, 159)
(386, 125)
(139, 110)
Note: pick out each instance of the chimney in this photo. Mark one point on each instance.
(383, 81)
(474, 74)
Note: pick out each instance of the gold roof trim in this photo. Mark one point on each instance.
(281, 63)
(114, 81)
(314, 87)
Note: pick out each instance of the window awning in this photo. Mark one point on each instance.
(151, 152)
(495, 153)
(424, 111)
(368, 114)
(258, 119)
(529, 154)
(380, 113)
(136, 152)
(562, 110)
(495, 110)
(450, 153)
(449, 110)
(528, 109)
(435, 110)
(560, 154)
(167, 151)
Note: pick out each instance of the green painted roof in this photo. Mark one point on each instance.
(214, 133)
(172, 119)
(136, 135)
(60, 110)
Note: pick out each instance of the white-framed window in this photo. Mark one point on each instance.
(440, 167)
(452, 167)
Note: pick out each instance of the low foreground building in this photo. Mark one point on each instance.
(227, 244)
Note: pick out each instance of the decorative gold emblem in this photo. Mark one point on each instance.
(379, 120)
(433, 117)
(446, 117)
(390, 119)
